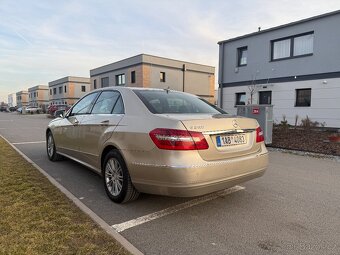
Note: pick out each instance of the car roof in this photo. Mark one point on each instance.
(119, 88)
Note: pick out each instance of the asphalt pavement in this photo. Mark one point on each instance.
(293, 209)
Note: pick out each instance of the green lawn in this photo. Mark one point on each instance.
(36, 218)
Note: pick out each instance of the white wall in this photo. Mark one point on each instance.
(325, 100)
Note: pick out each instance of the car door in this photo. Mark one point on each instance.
(67, 134)
(98, 126)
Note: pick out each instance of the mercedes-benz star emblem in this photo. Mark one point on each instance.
(235, 124)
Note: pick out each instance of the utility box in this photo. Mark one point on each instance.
(264, 116)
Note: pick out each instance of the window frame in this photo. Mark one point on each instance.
(83, 88)
(89, 109)
(108, 82)
(239, 55)
(297, 94)
(60, 89)
(291, 55)
(236, 96)
(162, 79)
(265, 91)
(133, 77)
(114, 105)
(118, 77)
(94, 84)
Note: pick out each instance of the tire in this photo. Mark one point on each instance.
(51, 149)
(117, 180)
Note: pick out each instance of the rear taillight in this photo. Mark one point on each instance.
(259, 135)
(174, 139)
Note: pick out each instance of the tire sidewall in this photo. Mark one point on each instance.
(121, 196)
(52, 158)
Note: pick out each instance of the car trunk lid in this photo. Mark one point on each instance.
(227, 136)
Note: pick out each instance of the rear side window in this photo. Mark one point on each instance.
(105, 102)
(167, 101)
(83, 104)
(119, 106)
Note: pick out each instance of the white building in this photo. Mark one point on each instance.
(12, 100)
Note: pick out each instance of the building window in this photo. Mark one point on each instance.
(133, 76)
(51, 92)
(83, 88)
(293, 46)
(120, 80)
(54, 91)
(265, 97)
(65, 89)
(36, 94)
(240, 98)
(94, 84)
(303, 97)
(242, 54)
(105, 82)
(60, 90)
(162, 76)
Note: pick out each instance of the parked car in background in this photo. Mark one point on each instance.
(19, 110)
(33, 109)
(3, 108)
(158, 141)
(12, 108)
(52, 109)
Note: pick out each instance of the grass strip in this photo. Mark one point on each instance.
(36, 218)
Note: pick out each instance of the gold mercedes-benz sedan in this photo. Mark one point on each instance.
(157, 141)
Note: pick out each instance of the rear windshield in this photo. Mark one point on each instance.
(168, 101)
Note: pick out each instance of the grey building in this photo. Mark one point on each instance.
(157, 72)
(295, 67)
(68, 90)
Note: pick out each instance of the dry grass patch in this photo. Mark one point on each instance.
(36, 218)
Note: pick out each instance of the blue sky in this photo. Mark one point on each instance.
(41, 41)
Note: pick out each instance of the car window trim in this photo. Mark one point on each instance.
(100, 92)
(120, 96)
(91, 105)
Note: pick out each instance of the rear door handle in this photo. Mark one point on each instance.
(104, 123)
(76, 122)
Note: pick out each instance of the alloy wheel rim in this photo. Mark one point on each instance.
(114, 176)
(50, 146)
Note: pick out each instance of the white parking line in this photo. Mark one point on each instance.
(29, 142)
(156, 215)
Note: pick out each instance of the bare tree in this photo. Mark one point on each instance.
(252, 87)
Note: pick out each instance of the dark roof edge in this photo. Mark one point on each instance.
(281, 26)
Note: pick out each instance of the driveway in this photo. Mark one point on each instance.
(293, 209)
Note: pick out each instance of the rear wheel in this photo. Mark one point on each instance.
(50, 148)
(117, 180)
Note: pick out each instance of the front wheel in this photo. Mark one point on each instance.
(117, 180)
(51, 149)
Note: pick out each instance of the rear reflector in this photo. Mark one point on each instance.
(259, 135)
(174, 139)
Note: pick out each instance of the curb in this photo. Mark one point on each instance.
(108, 229)
(306, 153)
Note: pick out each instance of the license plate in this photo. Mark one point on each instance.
(229, 140)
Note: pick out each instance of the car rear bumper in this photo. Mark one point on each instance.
(199, 178)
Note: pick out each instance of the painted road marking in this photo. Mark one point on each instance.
(156, 215)
(29, 142)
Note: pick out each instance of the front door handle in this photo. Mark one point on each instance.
(104, 123)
